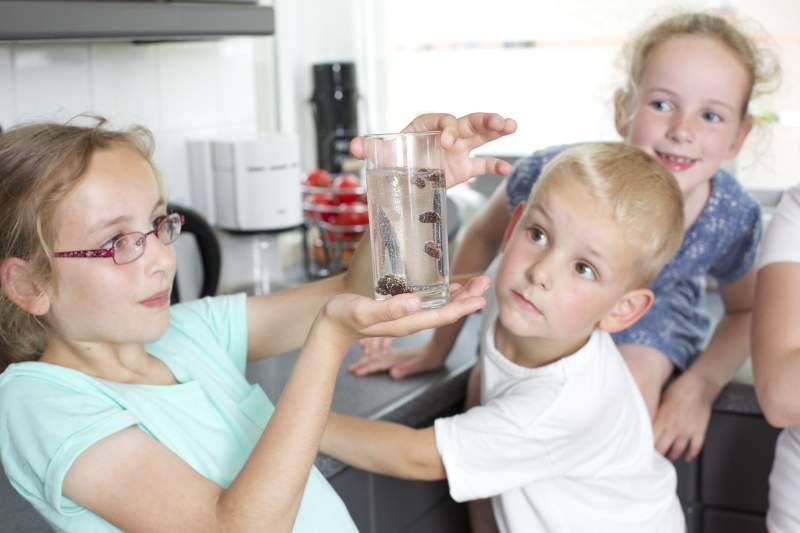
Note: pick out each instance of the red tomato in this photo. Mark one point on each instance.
(324, 207)
(342, 185)
(318, 178)
(348, 218)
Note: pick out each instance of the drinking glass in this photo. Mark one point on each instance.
(407, 215)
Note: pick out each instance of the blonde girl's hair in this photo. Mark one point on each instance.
(641, 195)
(761, 64)
(40, 164)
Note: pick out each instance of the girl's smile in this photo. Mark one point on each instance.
(674, 162)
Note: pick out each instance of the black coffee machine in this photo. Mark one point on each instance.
(335, 106)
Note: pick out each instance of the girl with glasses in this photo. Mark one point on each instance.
(118, 411)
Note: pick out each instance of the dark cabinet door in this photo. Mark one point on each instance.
(736, 461)
(716, 521)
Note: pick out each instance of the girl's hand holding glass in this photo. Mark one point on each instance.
(459, 137)
(351, 317)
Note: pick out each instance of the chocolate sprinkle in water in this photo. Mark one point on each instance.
(430, 217)
(419, 182)
(432, 250)
(391, 285)
(436, 177)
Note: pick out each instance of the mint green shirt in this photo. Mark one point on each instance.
(211, 418)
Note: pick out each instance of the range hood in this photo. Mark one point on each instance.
(113, 20)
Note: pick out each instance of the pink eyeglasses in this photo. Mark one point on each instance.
(130, 246)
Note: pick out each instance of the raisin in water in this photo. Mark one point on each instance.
(408, 228)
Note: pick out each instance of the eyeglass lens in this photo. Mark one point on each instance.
(130, 246)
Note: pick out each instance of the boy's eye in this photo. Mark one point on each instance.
(538, 236)
(585, 271)
(661, 105)
(710, 116)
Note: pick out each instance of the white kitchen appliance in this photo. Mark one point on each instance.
(248, 185)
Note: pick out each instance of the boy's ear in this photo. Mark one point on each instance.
(744, 130)
(621, 120)
(515, 214)
(18, 284)
(628, 309)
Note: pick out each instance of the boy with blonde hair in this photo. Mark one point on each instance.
(562, 439)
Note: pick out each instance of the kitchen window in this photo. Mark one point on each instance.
(554, 67)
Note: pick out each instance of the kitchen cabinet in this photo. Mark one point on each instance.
(726, 488)
(41, 20)
(383, 504)
(716, 521)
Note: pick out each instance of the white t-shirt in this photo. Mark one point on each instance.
(782, 244)
(567, 447)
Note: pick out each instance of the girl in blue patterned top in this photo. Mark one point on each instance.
(691, 78)
(119, 412)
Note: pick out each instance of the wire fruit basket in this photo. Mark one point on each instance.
(335, 208)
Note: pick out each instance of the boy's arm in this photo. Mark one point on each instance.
(682, 418)
(383, 447)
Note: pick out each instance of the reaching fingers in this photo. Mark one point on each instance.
(365, 366)
(677, 448)
(695, 445)
(663, 443)
(476, 129)
(357, 147)
(410, 367)
(375, 346)
(473, 287)
(444, 122)
(490, 165)
(385, 343)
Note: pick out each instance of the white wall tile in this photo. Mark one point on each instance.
(171, 159)
(124, 83)
(188, 85)
(236, 97)
(51, 82)
(6, 88)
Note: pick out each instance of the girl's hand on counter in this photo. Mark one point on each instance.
(682, 418)
(348, 317)
(399, 362)
(459, 137)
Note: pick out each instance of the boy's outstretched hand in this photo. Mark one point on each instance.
(459, 137)
(354, 316)
(399, 363)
